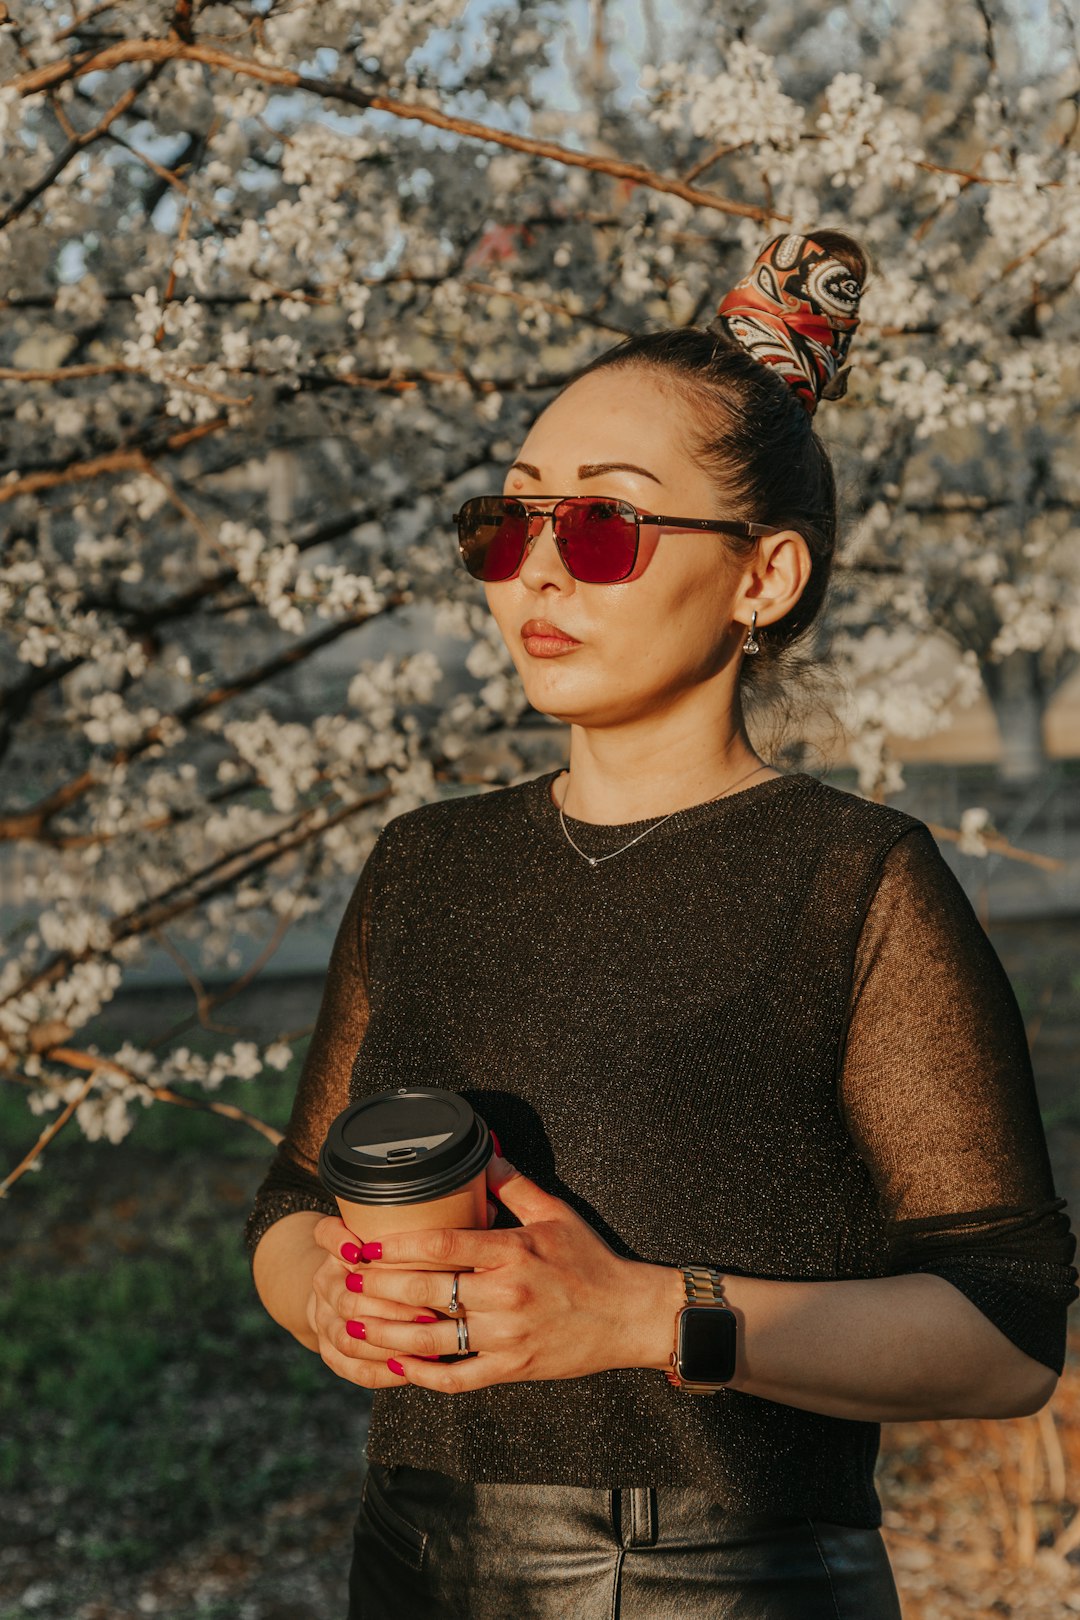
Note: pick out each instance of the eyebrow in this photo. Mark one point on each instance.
(594, 469)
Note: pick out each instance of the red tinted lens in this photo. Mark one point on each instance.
(492, 533)
(597, 539)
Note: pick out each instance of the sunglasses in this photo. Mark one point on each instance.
(597, 538)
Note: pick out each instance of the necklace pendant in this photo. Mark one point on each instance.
(592, 860)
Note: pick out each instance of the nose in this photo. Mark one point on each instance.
(536, 520)
(546, 564)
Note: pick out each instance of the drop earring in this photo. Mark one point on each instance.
(752, 644)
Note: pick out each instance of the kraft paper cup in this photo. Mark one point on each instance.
(410, 1160)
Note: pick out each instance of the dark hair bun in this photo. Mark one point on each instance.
(797, 311)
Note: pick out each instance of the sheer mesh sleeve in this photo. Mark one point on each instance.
(939, 1097)
(291, 1183)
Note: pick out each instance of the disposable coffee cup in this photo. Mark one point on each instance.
(410, 1160)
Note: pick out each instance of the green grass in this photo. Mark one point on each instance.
(146, 1398)
(158, 1386)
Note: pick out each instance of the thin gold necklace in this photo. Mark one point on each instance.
(594, 860)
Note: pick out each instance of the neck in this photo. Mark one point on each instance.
(608, 784)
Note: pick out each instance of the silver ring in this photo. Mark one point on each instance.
(462, 1336)
(453, 1307)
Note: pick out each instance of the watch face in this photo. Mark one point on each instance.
(707, 1345)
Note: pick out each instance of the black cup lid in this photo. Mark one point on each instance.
(404, 1147)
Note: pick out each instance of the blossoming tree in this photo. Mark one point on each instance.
(353, 247)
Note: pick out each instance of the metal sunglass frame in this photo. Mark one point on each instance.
(735, 526)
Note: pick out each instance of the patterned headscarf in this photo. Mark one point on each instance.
(796, 310)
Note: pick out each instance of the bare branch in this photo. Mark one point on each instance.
(706, 162)
(48, 1133)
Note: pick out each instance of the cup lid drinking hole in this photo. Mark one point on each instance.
(404, 1147)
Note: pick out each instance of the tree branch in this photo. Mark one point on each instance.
(138, 458)
(163, 50)
(15, 699)
(1001, 846)
(230, 868)
(76, 145)
(48, 1133)
(32, 822)
(80, 1060)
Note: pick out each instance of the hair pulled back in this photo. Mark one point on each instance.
(754, 436)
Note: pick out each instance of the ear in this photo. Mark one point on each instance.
(775, 579)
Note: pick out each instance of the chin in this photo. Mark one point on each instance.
(557, 706)
(589, 715)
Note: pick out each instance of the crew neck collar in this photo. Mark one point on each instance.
(599, 837)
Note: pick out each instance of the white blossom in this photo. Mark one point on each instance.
(974, 821)
(147, 495)
(237, 403)
(282, 755)
(895, 297)
(1026, 608)
(278, 1055)
(84, 299)
(1019, 214)
(743, 103)
(898, 684)
(861, 136)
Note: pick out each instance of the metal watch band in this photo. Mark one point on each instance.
(702, 1285)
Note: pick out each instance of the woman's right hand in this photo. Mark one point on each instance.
(333, 1304)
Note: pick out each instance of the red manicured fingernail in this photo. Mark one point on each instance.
(429, 1358)
(425, 1318)
(395, 1366)
(356, 1330)
(350, 1252)
(354, 1283)
(498, 1149)
(370, 1251)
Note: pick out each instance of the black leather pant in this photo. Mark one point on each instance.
(428, 1547)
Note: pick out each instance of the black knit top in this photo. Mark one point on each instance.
(772, 1037)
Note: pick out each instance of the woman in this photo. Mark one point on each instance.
(720, 1016)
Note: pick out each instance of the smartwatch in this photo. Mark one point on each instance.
(703, 1359)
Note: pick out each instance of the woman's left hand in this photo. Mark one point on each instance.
(548, 1299)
